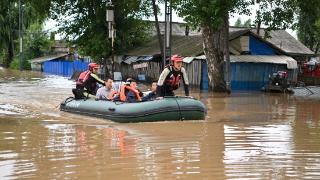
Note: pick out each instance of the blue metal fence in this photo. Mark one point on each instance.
(248, 76)
(64, 67)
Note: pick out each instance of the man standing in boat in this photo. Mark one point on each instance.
(87, 82)
(170, 77)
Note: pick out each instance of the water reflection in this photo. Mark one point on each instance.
(245, 136)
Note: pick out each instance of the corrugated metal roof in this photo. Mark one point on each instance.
(145, 58)
(279, 38)
(47, 58)
(130, 59)
(289, 61)
(190, 59)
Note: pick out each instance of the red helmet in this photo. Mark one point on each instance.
(92, 66)
(176, 58)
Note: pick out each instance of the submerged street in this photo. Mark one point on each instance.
(245, 135)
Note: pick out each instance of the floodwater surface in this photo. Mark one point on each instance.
(245, 136)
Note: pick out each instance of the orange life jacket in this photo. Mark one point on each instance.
(123, 95)
(83, 77)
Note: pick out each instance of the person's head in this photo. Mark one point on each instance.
(128, 81)
(109, 83)
(177, 61)
(93, 67)
(133, 84)
(154, 86)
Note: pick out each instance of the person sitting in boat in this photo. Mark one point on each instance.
(106, 92)
(87, 82)
(170, 77)
(129, 92)
(152, 94)
(133, 94)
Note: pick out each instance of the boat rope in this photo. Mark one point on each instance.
(309, 91)
(69, 99)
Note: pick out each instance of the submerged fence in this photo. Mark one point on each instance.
(64, 67)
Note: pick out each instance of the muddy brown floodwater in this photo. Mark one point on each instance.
(246, 136)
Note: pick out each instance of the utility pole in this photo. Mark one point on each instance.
(167, 33)
(111, 30)
(20, 36)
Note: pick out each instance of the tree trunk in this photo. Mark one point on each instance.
(213, 49)
(226, 52)
(9, 55)
(316, 50)
(155, 13)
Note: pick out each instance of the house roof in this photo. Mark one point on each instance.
(280, 39)
(47, 58)
(283, 40)
(182, 45)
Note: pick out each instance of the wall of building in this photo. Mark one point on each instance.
(250, 76)
(258, 47)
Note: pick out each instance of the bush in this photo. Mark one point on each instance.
(16, 65)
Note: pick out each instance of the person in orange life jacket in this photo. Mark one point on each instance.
(88, 80)
(151, 95)
(170, 77)
(133, 94)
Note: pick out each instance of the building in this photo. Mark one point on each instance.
(253, 58)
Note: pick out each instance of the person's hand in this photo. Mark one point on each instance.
(159, 98)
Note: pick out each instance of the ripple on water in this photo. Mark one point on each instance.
(10, 109)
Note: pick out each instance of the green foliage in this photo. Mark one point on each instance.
(276, 14)
(9, 24)
(209, 13)
(308, 25)
(15, 64)
(247, 23)
(86, 24)
(36, 42)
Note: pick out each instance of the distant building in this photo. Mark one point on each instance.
(63, 60)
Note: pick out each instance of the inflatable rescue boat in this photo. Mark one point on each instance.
(166, 109)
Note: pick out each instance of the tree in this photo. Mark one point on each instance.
(9, 24)
(212, 15)
(86, 24)
(247, 23)
(308, 24)
(238, 23)
(37, 42)
(275, 14)
(155, 13)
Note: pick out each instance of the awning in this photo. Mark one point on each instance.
(130, 59)
(190, 59)
(289, 61)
